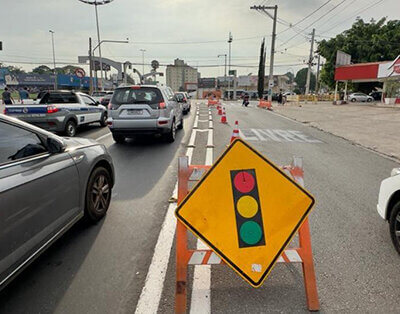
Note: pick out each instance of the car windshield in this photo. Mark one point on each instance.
(142, 95)
(97, 94)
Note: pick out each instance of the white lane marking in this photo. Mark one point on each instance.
(284, 117)
(103, 136)
(277, 135)
(151, 294)
(189, 153)
(210, 124)
(201, 290)
(192, 138)
(210, 138)
(196, 122)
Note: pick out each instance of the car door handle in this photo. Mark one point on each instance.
(78, 158)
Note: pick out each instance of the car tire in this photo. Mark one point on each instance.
(98, 194)
(119, 139)
(185, 112)
(103, 119)
(353, 100)
(70, 128)
(394, 226)
(369, 99)
(180, 126)
(170, 136)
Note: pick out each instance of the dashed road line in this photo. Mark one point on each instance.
(103, 136)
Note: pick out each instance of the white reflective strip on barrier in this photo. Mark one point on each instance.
(293, 256)
(197, 258)
(214, 259)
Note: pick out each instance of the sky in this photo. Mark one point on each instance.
(193, 30)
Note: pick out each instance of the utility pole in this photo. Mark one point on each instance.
(310, 62)
(54, 60)
(271, 60)
(224, 55)
(90, 67)
(230, 39)
(317, 81)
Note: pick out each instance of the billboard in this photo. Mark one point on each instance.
(29, 79)
(342, 58)
(389, 69)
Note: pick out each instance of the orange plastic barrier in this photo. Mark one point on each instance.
(212, 102)
(185, 256)
(265, 104)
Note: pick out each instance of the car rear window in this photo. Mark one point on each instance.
(143, 95)
(58, 98)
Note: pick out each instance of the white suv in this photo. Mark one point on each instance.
(144, 109)
(389, 205)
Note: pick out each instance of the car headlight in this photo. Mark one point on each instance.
(395, 172)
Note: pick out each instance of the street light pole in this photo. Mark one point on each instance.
(230, 39)
(54, 59)
(143, 51)
(96, 3)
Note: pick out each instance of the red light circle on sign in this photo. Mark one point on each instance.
(244, 182)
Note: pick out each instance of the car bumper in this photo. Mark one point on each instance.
(53, 124)
(137, 127)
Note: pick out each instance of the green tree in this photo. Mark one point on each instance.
(14, 70)
(42, 69)
(301, 80)
(365, 42)
(290, 76)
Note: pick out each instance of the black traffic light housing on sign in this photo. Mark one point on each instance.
(249, 222)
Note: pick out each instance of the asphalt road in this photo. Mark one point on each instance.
(102, 269)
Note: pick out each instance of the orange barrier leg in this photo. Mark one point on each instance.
(181, 241)
(310, 281)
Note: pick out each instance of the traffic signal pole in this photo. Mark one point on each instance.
(271, 60)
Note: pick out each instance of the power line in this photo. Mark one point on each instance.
(306, 17)
(322, 16)
(354, 15)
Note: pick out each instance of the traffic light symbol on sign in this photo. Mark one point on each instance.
(249, 221)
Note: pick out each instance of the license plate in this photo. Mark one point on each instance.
(136, 112)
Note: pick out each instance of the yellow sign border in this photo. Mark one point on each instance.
(218, 252)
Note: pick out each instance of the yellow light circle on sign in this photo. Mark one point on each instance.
(247, 206)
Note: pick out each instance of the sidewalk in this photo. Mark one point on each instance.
(368, 125)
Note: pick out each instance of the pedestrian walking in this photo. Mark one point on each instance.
(6, 97)
(23, 94)
(280, 98)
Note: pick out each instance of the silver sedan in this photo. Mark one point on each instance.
(47, 183)
(360, 97)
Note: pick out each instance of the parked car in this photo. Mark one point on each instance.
(389, 205)
(106, 100)
(377, 96)
(144, 109)
(97, 96)
(47, 183)
(183, 98)
(360, 97)
(289, 93)
(61, 111)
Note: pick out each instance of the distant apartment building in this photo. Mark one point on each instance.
(180, 75)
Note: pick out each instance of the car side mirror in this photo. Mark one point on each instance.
(97, 102)
(54, 146)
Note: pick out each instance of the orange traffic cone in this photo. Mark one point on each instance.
(219, 110)
(235, 133)
(223, 117)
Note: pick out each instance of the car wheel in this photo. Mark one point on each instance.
(98, 194)
(369, 99)
(353, 100)
(103, 119)
(185, 112)
(180, 126)
(170, 136)
(394, 225)
(70, 128)
(119, 139)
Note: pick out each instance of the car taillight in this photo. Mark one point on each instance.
(52, 109)
(4, 111)
(162, 105)
(135, 87)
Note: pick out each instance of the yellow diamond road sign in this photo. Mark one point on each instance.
(247, 210)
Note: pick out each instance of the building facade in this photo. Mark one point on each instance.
(180, 75)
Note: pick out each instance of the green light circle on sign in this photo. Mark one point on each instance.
(250, 232)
